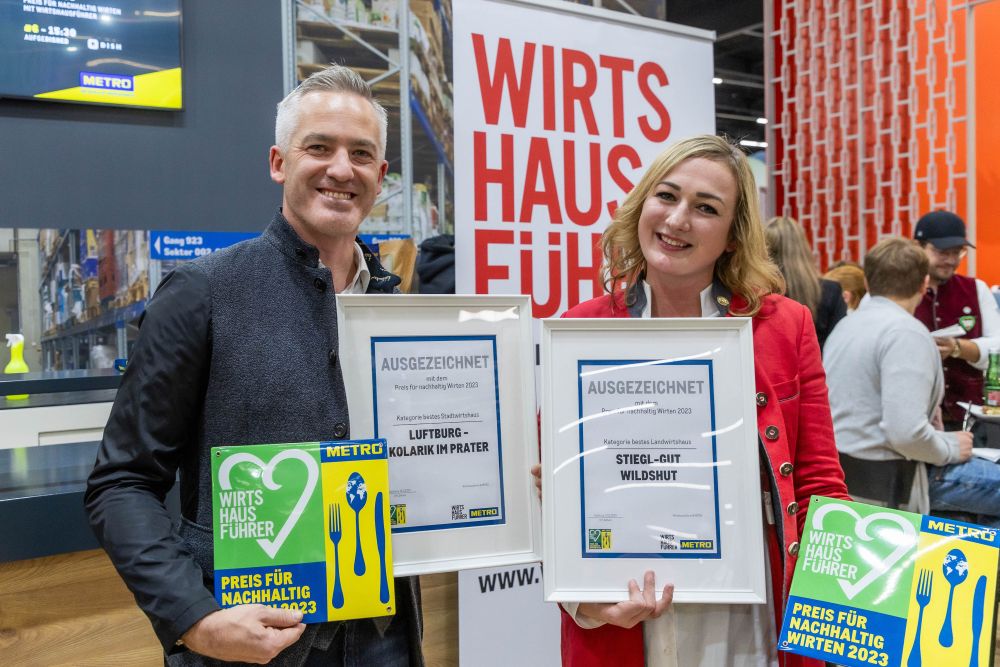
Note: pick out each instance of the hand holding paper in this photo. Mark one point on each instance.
(247, 633)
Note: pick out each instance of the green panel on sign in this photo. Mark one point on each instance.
(848, 547)
(265, 505)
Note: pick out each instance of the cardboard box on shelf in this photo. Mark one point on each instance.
(384, 13)
(107, 277)
(92, 297)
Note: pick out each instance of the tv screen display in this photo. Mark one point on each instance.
(114, 52)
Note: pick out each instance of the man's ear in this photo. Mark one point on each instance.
(927, 283)
(277, 163)
(383, 169)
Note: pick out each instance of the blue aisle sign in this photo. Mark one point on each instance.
(373, 240)
(188, 245)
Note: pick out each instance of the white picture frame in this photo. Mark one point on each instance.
(373, 327)
(721, 350)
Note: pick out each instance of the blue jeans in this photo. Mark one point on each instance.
(972, 487)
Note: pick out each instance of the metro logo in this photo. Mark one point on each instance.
(481, 512)
(106, 81)
(697, 544)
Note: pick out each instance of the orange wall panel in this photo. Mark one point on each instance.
(987, 222)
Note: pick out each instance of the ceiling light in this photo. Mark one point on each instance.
(762, 121)
(716, 80)
(749, 143)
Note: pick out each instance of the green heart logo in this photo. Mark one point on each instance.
(271, 547)
(905, 541)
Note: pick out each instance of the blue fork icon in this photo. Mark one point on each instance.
(336, 532)
(924, 586)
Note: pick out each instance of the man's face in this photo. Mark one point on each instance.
(943, 263)
(332, 169)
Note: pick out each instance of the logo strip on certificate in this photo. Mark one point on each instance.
(648, 459)
(436, 402)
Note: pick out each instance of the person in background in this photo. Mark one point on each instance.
(240, 347)
(787, 245)
(956, 299)
(851, 278)
(688, 242)
(886, 383)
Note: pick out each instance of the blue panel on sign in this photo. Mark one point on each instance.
(189, 245)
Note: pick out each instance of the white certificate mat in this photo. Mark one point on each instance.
(448, 381)
(650, 459)
(436, 402)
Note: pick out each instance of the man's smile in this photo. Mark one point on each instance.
(335, 194)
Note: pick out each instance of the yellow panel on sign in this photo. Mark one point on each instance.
(951, 569)
(156, 89)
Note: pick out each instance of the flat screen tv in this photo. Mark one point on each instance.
(112, 52)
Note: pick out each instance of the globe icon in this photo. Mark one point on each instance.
(357, 491)
(955, 565)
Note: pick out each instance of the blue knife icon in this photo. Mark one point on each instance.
(383, 585)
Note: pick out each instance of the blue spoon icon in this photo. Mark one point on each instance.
(357, 496)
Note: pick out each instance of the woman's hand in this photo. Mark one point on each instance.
(640, 605)
(536, 472)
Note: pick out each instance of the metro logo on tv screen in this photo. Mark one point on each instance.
(121, 53)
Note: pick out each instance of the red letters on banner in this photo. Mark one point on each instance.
(547, 193)
(570, 79)
(579, 85)
(576, 273)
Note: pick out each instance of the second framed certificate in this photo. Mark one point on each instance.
(649, 459)
(448, 382)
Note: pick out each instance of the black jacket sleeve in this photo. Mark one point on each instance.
(830, 310)
(152, 426)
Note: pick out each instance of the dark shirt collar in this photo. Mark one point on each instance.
(283, 236)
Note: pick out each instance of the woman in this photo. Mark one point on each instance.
(786, 242)
(851, 278)
(687, 242)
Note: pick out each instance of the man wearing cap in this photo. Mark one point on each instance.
(954, 299)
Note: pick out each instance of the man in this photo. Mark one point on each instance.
(954, 299)
(885, 382)
(240, 347)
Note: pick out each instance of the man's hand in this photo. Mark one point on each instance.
(945, 346)
(247, 633)
(536, 472)
(964, 446)
(640, 605)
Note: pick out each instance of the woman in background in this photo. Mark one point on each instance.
(688, 242)
(851, 278)
(787, 245)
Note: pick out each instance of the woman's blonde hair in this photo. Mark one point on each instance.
(746, 270)
(786, 241)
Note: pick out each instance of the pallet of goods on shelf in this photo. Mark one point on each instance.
(386, 216)
(107, 266)
(381, 13)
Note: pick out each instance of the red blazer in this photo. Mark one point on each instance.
(796, 431)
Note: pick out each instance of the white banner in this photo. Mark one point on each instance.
(558, 108)
(503, 619)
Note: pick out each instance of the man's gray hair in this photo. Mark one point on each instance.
(333, 79)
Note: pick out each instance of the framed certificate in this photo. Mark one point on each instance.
(448, 382)
(650, 459)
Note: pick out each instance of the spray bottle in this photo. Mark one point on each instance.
(16, 344)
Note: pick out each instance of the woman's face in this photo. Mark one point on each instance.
(685, 221)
